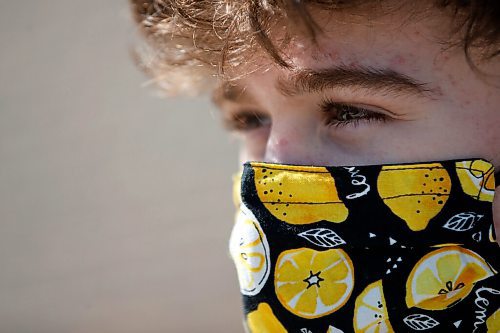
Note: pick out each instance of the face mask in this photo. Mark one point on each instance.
(389, 248)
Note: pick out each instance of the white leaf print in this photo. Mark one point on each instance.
(420, 322)
(462, 221)
(322, 237)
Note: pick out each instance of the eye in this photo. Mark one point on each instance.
(245, 121)
(341, 114)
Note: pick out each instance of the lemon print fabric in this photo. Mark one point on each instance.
(370, 312)
(263, 320)
(415, 193)
(250, 252)
(493, 322)
(444, 277)
(371, 249)
(311, 284)
(298, 195)
(477, 179)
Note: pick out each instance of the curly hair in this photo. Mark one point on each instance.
(191, 42)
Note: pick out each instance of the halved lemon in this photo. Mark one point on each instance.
(263, 320)
(299, 194)
(444, 277)
(416, 193)
(370, 311)
(250, 252)
(477, 179)
(311, 284)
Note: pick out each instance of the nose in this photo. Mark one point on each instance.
(294, 139)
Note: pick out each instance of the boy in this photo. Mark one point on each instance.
(387, 84)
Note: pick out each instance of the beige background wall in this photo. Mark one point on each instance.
(115, 206)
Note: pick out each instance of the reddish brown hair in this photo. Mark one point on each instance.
(190, 41)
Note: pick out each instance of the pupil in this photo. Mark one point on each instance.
(348, 113)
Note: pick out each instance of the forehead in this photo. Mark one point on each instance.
(399, 47)
(387, 35)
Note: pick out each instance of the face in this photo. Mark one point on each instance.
(374, 91)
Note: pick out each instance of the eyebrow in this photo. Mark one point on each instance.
(232, 92)
(370, 79)
(385, 81)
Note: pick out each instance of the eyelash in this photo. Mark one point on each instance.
(246, 121)
(250, 120)
(332, 110)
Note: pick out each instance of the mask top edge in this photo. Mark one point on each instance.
(271, 164)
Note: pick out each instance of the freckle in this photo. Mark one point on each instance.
(398, 60)
(333, 55)
(282, 142)
(452, 80)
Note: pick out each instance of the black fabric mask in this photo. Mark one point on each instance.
(381, 248)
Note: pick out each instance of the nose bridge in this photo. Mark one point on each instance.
(292, 140)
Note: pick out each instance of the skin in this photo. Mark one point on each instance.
(457, 118)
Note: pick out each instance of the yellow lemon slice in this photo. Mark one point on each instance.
(263, 320)
(493, 322)
(444, 277)
(416, 193)
(311, 284)
(299, 194)
(370, 311)
(250, 251)
(477, 179)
